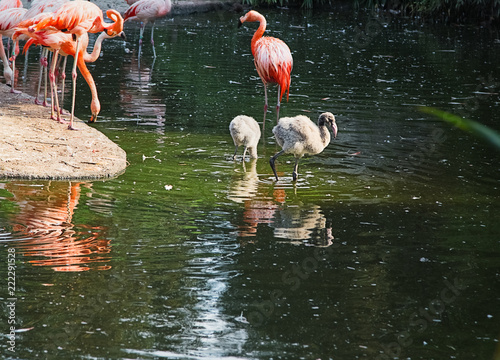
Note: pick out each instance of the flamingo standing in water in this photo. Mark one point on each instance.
(79, 17)
(272, 59)
(147, 11)
(9, 18)
(300, 136)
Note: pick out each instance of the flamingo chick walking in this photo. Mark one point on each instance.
(273, 60)
(245, 131)
(300, 136)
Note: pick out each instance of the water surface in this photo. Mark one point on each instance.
(386, 247)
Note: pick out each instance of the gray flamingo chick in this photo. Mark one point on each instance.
(300, 136)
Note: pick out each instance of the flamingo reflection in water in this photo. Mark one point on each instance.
(45, 229)
(138, 98)
(298, 224)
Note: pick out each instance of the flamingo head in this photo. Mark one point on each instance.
(116, 27)
(328, 119)
(252, 15)
(95, 108)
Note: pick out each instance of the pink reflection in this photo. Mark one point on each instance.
(137, 94)
(45, 229)
(265, 204)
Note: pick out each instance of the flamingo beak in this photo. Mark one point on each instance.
(335, 129)
(240, 23)
(122, 35)
(93, 118)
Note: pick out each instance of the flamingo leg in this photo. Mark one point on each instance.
(40, 77)
(55, 73)
(53, 90)
(272, 160)
(74, 75)
(141, 34)
(14, 46)
(45, 74)
(295, 169)
(265, 106)
(235, 151)
(25, 70)
(152, 40)
(52, 115)
(63, 81)
(244, 153)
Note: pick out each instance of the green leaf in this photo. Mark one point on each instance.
(489, 135)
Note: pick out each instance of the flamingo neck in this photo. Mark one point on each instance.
(324, 133)
(259, 32)
(95, 105)
(92, 57)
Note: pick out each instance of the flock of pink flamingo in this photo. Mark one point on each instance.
(62, 27)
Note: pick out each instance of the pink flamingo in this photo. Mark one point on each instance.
(144, 11)
(34, 14)
(4, 5)
(79, 17)
(9, 18)
(63, 43)
(272, 59)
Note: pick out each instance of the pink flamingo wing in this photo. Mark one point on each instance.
(76, 16)
(274, 62)
(147, 10)
(9, 18)
(131, 12)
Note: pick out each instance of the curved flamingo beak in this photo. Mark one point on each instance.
(93, 118)
(334, 129)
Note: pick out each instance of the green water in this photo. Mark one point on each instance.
(386, 247)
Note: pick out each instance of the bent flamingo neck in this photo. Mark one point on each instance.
(95, 105)
(97, 49)
(259, 32)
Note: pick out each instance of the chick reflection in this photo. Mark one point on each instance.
(44, 227)
(305, 222)
(266, 205)
(260, 207)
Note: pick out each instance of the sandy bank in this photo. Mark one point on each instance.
(32, 146)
